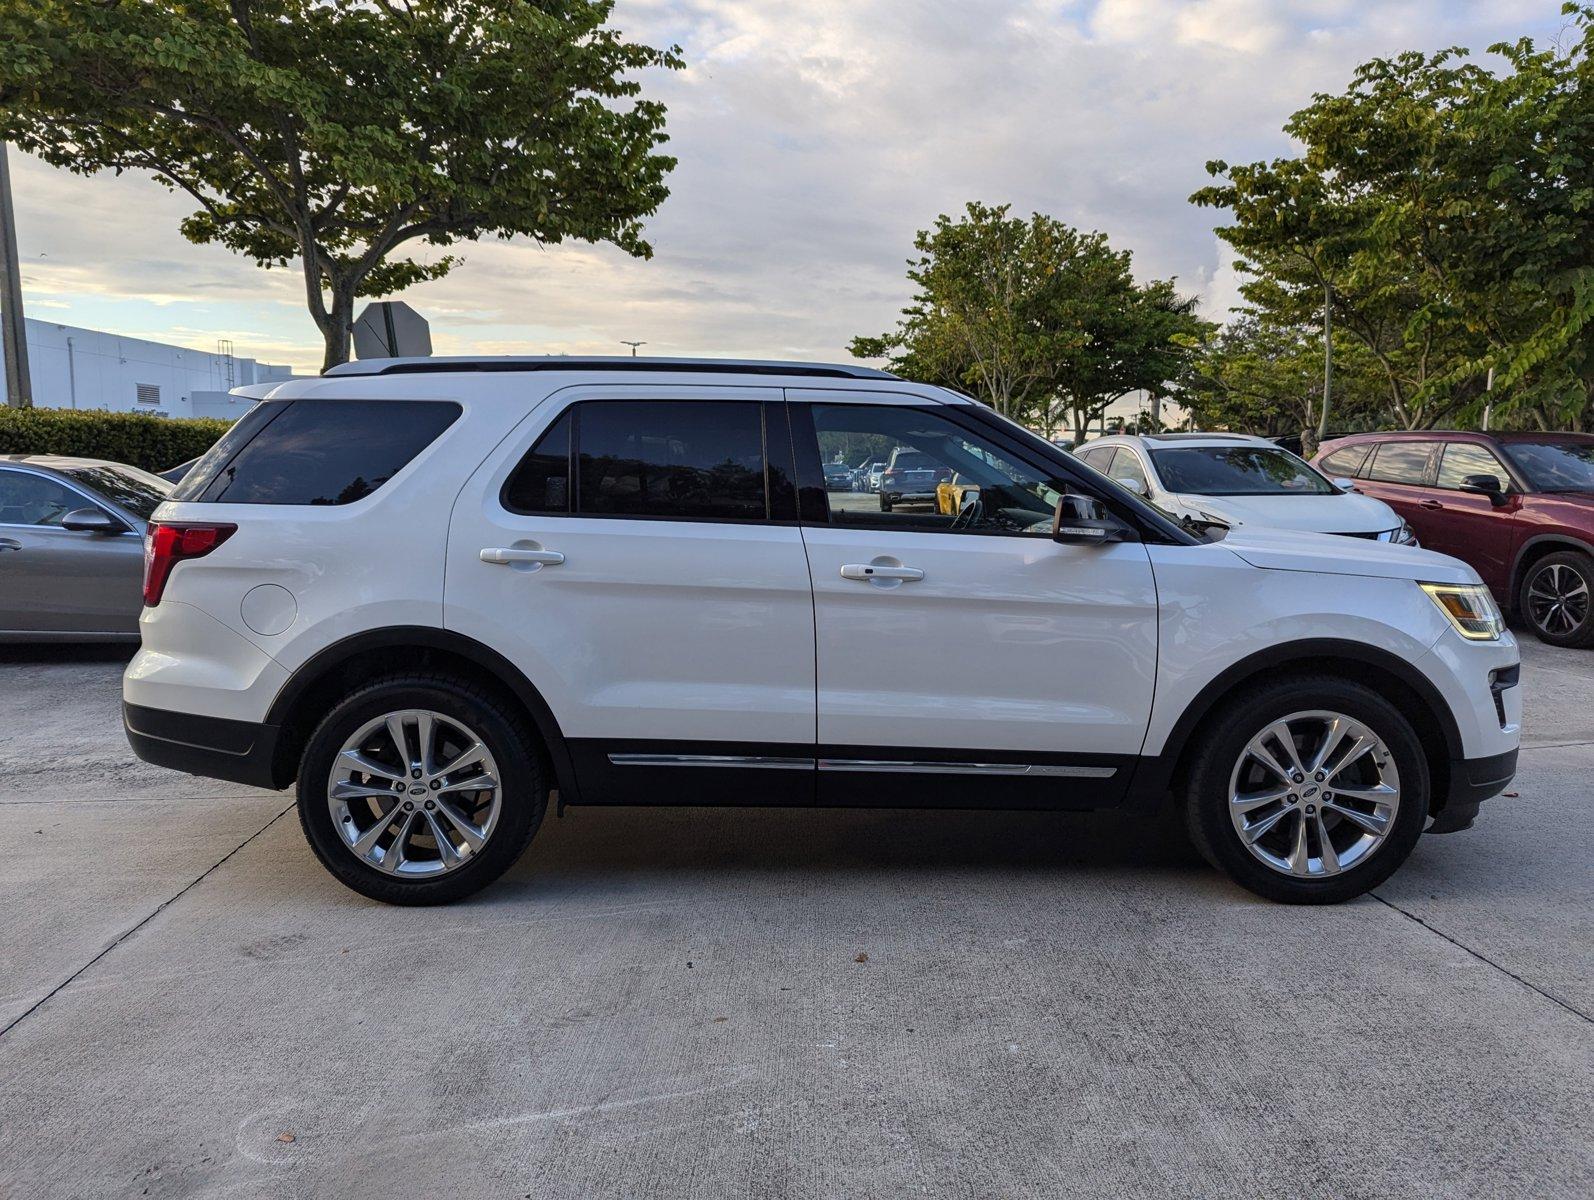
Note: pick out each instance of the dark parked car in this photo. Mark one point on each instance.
(838, 477)
(72, 547)
(1518, 507)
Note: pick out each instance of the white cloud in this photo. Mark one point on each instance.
(814, 139)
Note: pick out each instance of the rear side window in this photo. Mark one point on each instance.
(1344, 463)
(684, 460)
(315, 451)
(1400, 462)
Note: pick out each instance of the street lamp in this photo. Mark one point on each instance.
(633, 345)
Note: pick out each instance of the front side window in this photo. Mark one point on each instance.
(1555, 466)
(1126, 467)
(684, 460)
(139, 492)
(1461, 459)
(1400, 462)
(1237, 471)
(315, 451)
(946, 478)
(1345, 463)
(29, 499)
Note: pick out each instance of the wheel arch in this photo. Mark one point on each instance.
(1393, 677)
(339, 668)
(1536, 547)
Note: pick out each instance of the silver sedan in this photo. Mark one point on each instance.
(71, 547)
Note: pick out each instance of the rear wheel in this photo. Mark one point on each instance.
(1308, 791)
(1555, 598)
(420, 790)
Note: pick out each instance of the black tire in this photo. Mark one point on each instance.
(1547, 572)
(1223, 740)
(885, 502)
(523, 785)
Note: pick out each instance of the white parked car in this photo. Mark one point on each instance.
(1236, 479)
(432, 591)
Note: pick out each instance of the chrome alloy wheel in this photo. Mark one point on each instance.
(414, 793)
(1314, 794)
(1558, 599)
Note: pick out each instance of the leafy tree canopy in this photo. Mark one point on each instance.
(1035, 318)
(1448, 210)
(336, 131)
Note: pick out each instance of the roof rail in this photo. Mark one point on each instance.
(694, 366)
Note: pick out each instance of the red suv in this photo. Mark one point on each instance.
(1517, 507)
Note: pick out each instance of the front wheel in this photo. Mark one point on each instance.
(420, 789)
(1555, 597)
(1308, 791)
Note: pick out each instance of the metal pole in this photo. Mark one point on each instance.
(19, 387)
(1488, 404)
(1328, 362)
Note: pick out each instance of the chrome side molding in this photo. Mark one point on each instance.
(711, 760)
(899, 766)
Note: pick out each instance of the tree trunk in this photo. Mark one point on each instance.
(340, 322)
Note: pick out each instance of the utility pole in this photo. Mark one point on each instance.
(19, 387)
(1328, 363)
(633, 346)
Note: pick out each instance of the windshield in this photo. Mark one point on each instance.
(1238, 471)
(137, 491)
(912, 462)
(1555, 466)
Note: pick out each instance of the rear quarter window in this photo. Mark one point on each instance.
(319, 452)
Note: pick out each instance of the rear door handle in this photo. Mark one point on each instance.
(868, 571)
(1430, 504)
(506, 555)
(10, 544)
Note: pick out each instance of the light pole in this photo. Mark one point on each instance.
(19, 388)
(633, 345)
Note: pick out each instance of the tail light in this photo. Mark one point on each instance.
(167, 543)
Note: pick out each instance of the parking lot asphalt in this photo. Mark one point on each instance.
(776, 1002)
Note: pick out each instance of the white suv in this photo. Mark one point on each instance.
(434, 591)
(1234, 479)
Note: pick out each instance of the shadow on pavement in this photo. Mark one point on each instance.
(51, 653)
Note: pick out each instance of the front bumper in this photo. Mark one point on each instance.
(237, 751)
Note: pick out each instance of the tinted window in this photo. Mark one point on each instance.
(1344, 463)
(320, 451)
(235, 439)
(28, 499)
(683, 459)
(1556, 466)
(1237, 471)
(981, 487)
(541, 483)
(1460, 459)
(1400, 462)
(1096, 458)
(136, 491)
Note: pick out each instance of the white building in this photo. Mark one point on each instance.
(84, 368)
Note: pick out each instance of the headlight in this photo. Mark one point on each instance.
(1401, 536)
(1470, 608)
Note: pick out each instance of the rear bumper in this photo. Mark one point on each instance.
(1472, 781)
(237, 751)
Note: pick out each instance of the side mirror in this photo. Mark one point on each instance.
(1486, 485)
(1084, 520)
(93, 520)
(1130, 484)
(1343, 484)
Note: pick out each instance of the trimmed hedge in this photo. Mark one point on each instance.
(154, 443)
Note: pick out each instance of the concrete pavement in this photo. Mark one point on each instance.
(661, 1003)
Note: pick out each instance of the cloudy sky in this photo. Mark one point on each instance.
(814, 139)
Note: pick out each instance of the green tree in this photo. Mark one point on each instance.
(1449, 208)
(1035, 318)
(335, 132)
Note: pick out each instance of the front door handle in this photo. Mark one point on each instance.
(10, 544)
(508, 555)
(1430, 504)
(868, 571)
